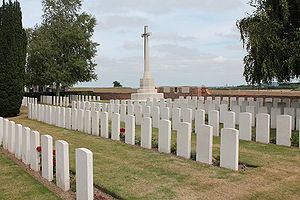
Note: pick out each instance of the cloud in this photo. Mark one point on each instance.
(169, 69)
(160, 7)
(133, 45)
(234, 47)
(179, 51)
(173, 37)
(121, 21)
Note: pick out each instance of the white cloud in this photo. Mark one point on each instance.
(121, 21)
(174, 37)
(219, 59)
(163, 7)
(133, 45)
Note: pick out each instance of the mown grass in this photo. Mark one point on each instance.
(15, 183)
(132, 172)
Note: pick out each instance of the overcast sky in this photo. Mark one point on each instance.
(193, 42)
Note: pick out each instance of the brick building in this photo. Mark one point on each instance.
(176, 92)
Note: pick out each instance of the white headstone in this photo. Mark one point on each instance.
(130, 109)
(223, 111)
(164, 136)
(115, 127)
(146, 133)
(47, 157)
(1, 130)
(213, 120)
(251, 109)
(84, 174)
(130, 129)
(11, 137)
(104, 124)
(6, 124)
(184, 140)
(62, 165)
(122, 112)
(165, 113)
(199, 119)
(88, 122)
(34, 154)
(204, 144)
(245, 126)
(176, 118)
(263, 128)
(26, 146)
(291, 112)
(68, 121)
(236, 109)
(274, 113)
(80, 119)
(156, 116)
(95, 122)
(18, 140)
(187, 115)
(74, 119)
(229, 120)
(229, 152)
(284, 130)
(138, 114)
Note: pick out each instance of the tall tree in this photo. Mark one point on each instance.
(61, 49)
(271, 35)
(13, 44)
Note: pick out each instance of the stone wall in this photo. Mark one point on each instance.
(185, 91)
(109, 96)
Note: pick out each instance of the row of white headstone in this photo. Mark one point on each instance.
(223, 108)
(238, 100)
(283, 127)
(88, 121)
(27, 100)
(66, 100)
(245, 120)
(23, 142)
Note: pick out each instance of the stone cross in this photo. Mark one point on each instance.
(146, 36)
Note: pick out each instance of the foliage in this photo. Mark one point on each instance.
(117, 84)
(271, 35)
(13, 44)
(61, 49)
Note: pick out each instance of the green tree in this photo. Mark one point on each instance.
(13, 44)
(271, 36)
(117, 84)
(61, 50)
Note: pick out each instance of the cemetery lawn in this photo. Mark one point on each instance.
(15, 183)
(131, 172)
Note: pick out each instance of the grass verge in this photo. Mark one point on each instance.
(132, 172)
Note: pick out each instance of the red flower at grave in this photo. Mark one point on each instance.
(54, 161)
(54, 152)
(39, 149)
(122, 130)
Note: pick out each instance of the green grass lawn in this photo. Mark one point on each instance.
(15, 183)
(132, 172)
